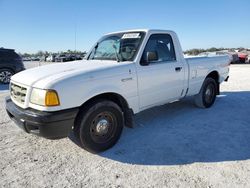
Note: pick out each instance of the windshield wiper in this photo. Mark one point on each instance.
(116, 54)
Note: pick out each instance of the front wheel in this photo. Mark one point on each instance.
(99, 126)
(207, 94)
(5, 75)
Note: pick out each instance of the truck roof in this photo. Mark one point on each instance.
(143, 30)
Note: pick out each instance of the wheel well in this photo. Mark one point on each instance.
(116, 98)
(119, 100)
(8, 68)
(215, 76)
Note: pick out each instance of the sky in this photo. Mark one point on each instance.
(58, 25)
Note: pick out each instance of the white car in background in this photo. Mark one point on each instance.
(248, 59)
(51, 58)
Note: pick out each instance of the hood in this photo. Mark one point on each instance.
(60, 70)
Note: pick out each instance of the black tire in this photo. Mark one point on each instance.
(99, 126)
(207, 94)
(5, 75)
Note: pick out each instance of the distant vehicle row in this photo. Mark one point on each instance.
(56, 58)
(235, 57)
(66, 57)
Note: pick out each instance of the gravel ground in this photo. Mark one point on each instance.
(174, 145)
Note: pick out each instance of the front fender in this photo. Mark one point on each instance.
(74, 95)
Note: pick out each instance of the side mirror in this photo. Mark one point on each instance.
(151, 56)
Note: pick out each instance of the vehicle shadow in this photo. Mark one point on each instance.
(179, 133)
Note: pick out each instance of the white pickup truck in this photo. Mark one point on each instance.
(124, 73)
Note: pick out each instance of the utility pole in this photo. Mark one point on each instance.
(75, 38)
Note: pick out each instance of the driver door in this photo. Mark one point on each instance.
(159, 81)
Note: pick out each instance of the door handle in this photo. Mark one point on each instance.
(126, 79)
(178, 69)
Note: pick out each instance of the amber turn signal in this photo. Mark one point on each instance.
(51, 98)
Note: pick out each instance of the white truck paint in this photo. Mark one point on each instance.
(76, 82)
(142, 86)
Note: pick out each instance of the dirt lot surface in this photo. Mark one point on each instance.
(175, 145)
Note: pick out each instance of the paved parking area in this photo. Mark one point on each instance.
(174, 145)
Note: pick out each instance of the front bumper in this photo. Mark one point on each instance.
(46, 124)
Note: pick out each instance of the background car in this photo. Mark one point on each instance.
(62, 58)
(67, 57)
(26, 59)
(74, 57)
(235, 57)
(243, 57)
(248, 59)
(51, 58)
(10, 63)
(35, 59)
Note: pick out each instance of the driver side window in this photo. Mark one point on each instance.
(162, 45)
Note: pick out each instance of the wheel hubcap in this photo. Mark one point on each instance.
(103, 127)
(209, 93)
(5, 76)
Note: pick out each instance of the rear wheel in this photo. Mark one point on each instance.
(5, 75)
(207, 95)
(99, 126)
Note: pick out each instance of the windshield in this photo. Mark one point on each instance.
(117, 47)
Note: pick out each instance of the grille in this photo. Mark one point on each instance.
(18, 93)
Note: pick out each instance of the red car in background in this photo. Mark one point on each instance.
(243, 57)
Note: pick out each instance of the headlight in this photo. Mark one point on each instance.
(44, 97)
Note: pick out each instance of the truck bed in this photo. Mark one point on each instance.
(199, 67)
